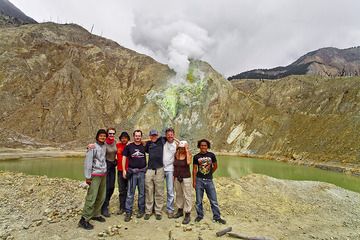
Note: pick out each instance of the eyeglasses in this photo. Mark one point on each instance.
(111, 133)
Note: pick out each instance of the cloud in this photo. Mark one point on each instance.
(172, 41)
(232, 35)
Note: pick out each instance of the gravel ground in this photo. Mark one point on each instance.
(37, 207)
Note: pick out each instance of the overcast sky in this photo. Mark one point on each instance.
(232, 35)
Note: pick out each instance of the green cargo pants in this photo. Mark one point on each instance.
(95, 197)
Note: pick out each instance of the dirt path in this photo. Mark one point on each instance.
(36, 207)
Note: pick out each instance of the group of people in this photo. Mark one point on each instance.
(168, 158)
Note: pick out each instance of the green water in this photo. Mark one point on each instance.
(228, 167)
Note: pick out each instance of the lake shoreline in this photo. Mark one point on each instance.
(350, 169)
(51, 152)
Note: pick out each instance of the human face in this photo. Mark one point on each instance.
(124, 140)
(154, 137)
(111, 134)
(137, 137)
(181, 150)
(102, 137)
(170, 136)
(203, 147)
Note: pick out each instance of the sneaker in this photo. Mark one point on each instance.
(186, 218)
(85, 224)
(140, 215)
(99, 219)
(179, 213)
(127, 217)
(198, 219)
(158, 216)
(170, 215)
(220, 220)
(105, 213)
(147, 217)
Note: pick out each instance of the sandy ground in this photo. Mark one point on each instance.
(37, 207)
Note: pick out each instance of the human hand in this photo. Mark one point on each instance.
(91, 146)
(88, 181)
(124, 174)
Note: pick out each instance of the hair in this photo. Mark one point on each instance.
(177, 153)
(101, 131)
(124, 134)
(107, 130)
(205, 141)
(137, 130)
(169, 129)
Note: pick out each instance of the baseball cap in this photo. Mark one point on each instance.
(153, 132)
(182, 144)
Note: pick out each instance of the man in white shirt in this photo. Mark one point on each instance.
(168, 160)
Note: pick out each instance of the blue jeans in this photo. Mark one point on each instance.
(208, 186)
(169, 177)
(136, 179)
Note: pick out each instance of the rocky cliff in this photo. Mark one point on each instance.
(328, 62)
(59, 84)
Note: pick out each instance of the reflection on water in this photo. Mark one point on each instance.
(229, 166)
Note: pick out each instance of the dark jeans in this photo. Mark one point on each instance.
(110, 183)
(136, 179)
(123, 187)
(208, 186)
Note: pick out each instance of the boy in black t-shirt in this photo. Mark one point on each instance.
(204, 165)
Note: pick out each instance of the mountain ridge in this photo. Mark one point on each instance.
(59, 84)
(10, 14)
(327, 62)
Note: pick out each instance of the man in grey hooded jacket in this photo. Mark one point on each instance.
(95, 175)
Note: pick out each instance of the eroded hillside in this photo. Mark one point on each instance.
(59, 83)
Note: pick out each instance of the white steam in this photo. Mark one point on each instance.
(172, 42)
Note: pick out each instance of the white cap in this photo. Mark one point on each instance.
(182, 143)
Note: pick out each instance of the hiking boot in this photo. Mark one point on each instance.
(186, 218)
(105, 213)
(140, 215)
(220, 220)
(198, 219)
(179, 213)
(147, 217)
(99, 219)
(127, 217)
(85, 224)
(158, 216)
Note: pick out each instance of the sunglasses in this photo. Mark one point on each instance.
(111, 133)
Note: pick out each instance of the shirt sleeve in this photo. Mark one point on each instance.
(147, 147)
(88, 163)
(214, 158)
(195, 160)
(126, 151)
